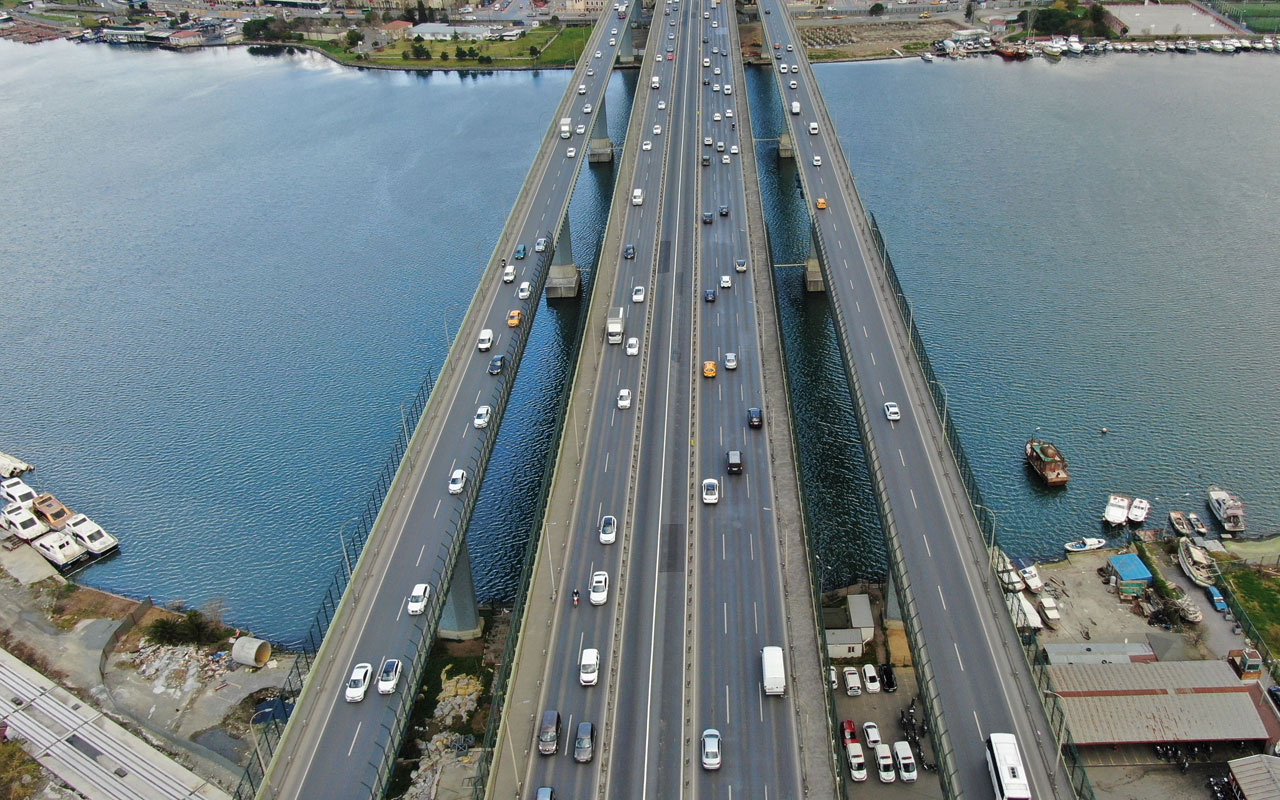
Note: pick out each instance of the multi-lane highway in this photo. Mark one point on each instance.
(713, 564)
(335, 748)
(983, 684)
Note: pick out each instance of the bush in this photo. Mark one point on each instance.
(876, 10)
(194, 628)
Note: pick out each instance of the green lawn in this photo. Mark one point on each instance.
(559, 47)
(1260, 597)
(1260, 17)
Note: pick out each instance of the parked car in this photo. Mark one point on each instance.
(888, 681)
(870, 678)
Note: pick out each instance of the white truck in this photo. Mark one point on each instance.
(773, 670)
(613, 326)
(795, 106)
(566, 127)
(655, 82)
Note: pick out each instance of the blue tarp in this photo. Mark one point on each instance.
(1128, 567)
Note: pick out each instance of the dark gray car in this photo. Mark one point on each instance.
(584, 744)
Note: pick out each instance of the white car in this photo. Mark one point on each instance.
(728, 113)
(817, 161)
(482, 417)
(590, 72)
(870, 678)
(884, 764)
(358, 683)
(582, 88)
(871, 734)
(572, 152)
(891, 412)
(646, 145)
(417, 602)
(715, 117)
(624, 398)
(633, 346)
(794, 85)
(724, 159)
(613, 42)
(485, 341)
(706, 62)
(852, 683)
(728, 89)
(608, 529)
(581, 129)
(613, 31)
(733, 149)
(711, 749)
(524, 291)
(715, 87)
(599, 592)
(662, 105)
(783, 69)
(540, 246)
(730, 360)
(789, 48)
(586, 109)
(706, 140)
(831, 676)
(15, 490)
(637, 294)
(457, 481)
(726, 282)
(389, 677)
(716, 71)
(657, 130)
(589, 667)
(711, 491)
(89, 535)
(715, 23)
(597, 54)
(22, 522)
(857, 761)
(706, 15)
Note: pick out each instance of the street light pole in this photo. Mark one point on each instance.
(262, 764)
(343, 544)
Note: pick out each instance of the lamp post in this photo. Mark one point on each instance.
(945, 400)
(991, 546)
(262, 764)
(343, 544)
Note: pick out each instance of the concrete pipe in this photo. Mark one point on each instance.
(250, 651)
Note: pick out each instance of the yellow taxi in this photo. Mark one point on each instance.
(708, 369)
(822, 203)
(925, 15)
(513, 318)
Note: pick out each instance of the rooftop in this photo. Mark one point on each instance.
(1176, 19)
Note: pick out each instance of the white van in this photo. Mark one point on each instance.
(813, 129)
(509, 273)
(852, 682)
(486, 340)
(905, 762)
(795, 106)
(637, 197)
(655, 82)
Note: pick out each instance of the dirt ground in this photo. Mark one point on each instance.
(851, 39)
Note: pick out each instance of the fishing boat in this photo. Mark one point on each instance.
(1030, 576)
(1138, 510)
(1117, 511)
(1047, 461)
(1195, 562)
(1179, 522)
(1227, 508)
(1084, 545)
(11, 467)
(1197, 524)
(1188, 609)
(1051, 52)
(1049, 612)
(1010, 580)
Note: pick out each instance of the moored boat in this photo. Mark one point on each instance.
(1049, 612)
(1086, 544)
(1227, 508)
(59, 549)
(1196, 562)
(1179, 522)
(1197, 524)
(11, 467)
(1047, 461)
(1030, 576)
(1010, 580)
(1117, 511)
(1138, 510)
(926, 58)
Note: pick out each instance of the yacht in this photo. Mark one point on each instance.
(1010, 580)
(1257, 44)
(19, 521)
(1196, 562)
(1205, 47)
(1074, 46)
(1179, 522)
(1188, 609)
(1216, 45)
(1228, 46)
(1051, 51)
(1047, 461)
(1161, 47)
(1117, 511)
(59, 548)
(1030, 576)
(1086, 544)
(1138, 510)
(1227, 508)
(1197, 524)
(11, 467)
(89, 535)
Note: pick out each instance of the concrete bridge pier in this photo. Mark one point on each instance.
(460, 618)
(599, 145)
(812, 269)
(626, 44)
(786, 148)
(563, 280)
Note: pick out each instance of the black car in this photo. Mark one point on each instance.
(709, 295)
(706, 217)
(887, 680)
(706, 81)
(496, 364)
(755, 418)
(724, 211)
(629, 251)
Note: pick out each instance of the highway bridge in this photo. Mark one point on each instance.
(696, 587)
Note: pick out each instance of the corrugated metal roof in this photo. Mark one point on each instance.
(1257, 776)
(860, 616)
(1099, 653)
(1134, 677)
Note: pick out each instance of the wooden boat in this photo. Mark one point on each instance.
(1197, 524)
(1047, 461)
(1049, 612)
(1084, 545)
(1179, 522)
(1196, 562)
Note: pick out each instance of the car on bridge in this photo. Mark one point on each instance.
(521, 251)
(496, 364)
(637, 294)
(482, 417)
(573, 151)
(584, 744)
(711, 758)
(540, 246)
(646, 145)
(710, 489)
(706, 220)
(822, 203)
(485, 341)
(358, 683)
(624, 399)
(740, 265)
(589, 667)
(755, 418)
(893, 414)
(708, 369)
(599, 592)
(817, 161)
(418, 598)
(457, 481)
(724, 210)
(629, 251)
(524, 291)
(389, 678)
(633, 346)
(730, 360)
(608, 529)
(514, 318)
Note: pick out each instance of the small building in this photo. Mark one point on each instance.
(442, 32)
(1128, 574)
(1098, 653)
(849, 642)
(188, 38)
(1255, 777)
(396, 29)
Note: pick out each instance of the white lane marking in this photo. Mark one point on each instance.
(755, 616)
(873, 359)
(864, 332)
(925, 538)
(856, 304)
(960, 661)
(901, 457)
(421, 553)
(881, 388)
(435, 513)
(478, 391)
(942, 597)
(724, 614)
(606, 462)
(567, 738)
(353, 739)
(760, 703)
(727, 717)
(914, 504)
(748, 490)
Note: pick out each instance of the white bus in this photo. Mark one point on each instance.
(1005, 765)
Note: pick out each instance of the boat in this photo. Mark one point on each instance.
(1197, 524)
(1227, 508)
(89, 535)
(1117, 511)
(1216, 45)
(1027, 570)
(1204, 47)
(926, 58)
(59, 549)
(11, 467)
(1049, 612)
(1179, 522)
(1161, 47)
(1138, 510)
(1188, 609)
(1074, 46)
(1084, 545)
(1010, 580)
(1051, 52)
(1196, 562)
(1046, 459)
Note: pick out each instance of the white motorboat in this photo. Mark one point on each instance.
(1216, 45)
(1010, 580)
(1049, 612)
(927, 58)
(15, 490)
(1227, 508)
(1161, 47)
(18, 520)
(59, 549)
(1117, 511)
(1196, 562)
(89, 535)
(1138, 510)
(1074, 46)
(1030, 576)
(1084, 545)
(11, 467)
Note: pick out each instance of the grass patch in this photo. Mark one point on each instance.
(1259, 596)
(19, 773)
(557, 46)
(567, 47)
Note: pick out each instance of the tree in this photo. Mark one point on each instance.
(968, 11)
(555, 20)
(1098, 16)
(354, 37)
(387, 16)
(184, 17)
(533, 51)
(876, 10)
(370, 17)
(444, 55)
(422, 12)
(404, 54)
(473, 53)
(420, 52)
(459, 53)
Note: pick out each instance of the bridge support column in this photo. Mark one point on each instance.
(563, 280)
(813, 270)
(599, 145)
(460, 618)
(626, 45)
(786, 149)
